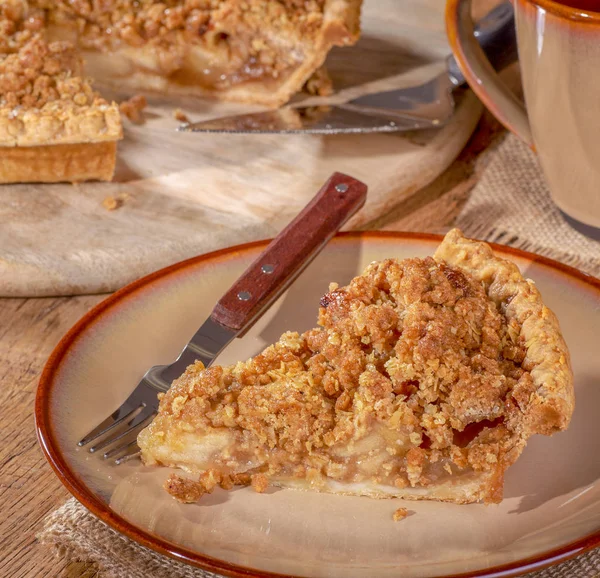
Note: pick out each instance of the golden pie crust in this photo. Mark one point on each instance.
(72, 163)
(424, 380)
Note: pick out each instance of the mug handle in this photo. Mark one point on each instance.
(482, 78)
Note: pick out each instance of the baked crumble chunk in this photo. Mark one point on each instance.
(260, 51)
(45, 103)
(423, 380)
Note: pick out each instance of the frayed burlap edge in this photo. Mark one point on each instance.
(78, 536)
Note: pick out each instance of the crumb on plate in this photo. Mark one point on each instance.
(400, 514)
(259, 483)
(187, 490)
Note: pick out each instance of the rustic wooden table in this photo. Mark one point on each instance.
(30, 328)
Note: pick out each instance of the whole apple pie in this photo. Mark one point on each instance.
(423, 380)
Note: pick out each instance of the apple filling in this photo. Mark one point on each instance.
(208, 45)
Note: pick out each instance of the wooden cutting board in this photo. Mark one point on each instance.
(185, 194)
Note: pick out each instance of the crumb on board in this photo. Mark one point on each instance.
(133, 108)
(400, 514)
(320, 83)
(179, 115)
(112, 203)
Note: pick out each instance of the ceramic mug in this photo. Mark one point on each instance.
(559, 55)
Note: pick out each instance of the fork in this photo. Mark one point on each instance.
(236, 312)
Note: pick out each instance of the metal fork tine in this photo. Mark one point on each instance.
(113, 420)
(127, 457)
(120, 448)
(139, 419)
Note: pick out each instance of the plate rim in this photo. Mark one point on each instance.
(79, 490)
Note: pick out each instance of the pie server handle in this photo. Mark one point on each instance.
(289, 253)
(497, 35)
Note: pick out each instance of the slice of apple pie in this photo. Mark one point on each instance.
(424, 380)
(53, 126)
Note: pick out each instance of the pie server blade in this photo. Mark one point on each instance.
(350, 118)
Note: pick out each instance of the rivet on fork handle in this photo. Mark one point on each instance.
(290, 252)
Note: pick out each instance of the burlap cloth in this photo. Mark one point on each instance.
(510, 205)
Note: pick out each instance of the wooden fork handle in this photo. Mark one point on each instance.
(290, 252)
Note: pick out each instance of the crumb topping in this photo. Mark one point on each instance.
(413, 369)
(34, 72)
(43, 97)
(140, 21)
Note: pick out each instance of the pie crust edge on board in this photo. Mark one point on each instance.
(53, 144)
(73, 163)
(544, 408)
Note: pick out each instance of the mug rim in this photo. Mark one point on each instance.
(565, 11)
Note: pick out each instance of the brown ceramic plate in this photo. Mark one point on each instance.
(551, 508)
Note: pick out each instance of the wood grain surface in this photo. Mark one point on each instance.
(177, 195)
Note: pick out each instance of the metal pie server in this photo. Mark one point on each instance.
(244, 303)
(429, 105)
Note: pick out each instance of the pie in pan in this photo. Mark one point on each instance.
(55, 127)
(423, 380)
